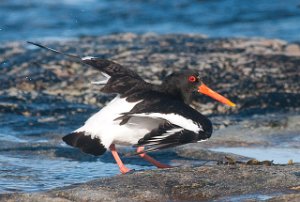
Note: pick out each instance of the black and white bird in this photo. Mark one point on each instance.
(142, 114)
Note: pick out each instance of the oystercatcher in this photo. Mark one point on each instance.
(142, 114)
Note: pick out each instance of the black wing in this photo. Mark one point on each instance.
(119, 79)
(167, 135)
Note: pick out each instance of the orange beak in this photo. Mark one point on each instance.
(207, 91)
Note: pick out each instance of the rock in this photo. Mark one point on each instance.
(258, 74)
(179, 184)
(293, 50)
(196, 151)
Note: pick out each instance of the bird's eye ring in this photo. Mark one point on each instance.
(192, 78)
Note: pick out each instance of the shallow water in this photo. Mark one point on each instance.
(277, 155)
(268, 136)
(29, 20)
(25, 172)
(246, 197)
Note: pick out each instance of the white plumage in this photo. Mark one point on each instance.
(104, 126)
(176, 119)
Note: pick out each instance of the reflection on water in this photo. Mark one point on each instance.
(35, 173)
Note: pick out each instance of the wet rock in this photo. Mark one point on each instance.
(196, 152)
(178, 184)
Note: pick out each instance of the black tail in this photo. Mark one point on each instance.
(85, 143)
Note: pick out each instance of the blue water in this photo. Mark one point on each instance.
(34, 19)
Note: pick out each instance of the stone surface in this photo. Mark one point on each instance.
(179, 184)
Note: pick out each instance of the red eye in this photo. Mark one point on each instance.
(192, 78)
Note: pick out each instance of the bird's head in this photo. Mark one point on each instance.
(184, 84)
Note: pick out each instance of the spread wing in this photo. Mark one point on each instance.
(118, 80)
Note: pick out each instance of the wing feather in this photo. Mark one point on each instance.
(118, 80)
(167, 135)
(173, 118)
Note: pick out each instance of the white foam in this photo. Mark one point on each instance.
(88, 58)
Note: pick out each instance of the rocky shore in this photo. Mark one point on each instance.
(260, 75)
(272, 183)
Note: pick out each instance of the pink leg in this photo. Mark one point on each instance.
(150, 159)
(115, 154)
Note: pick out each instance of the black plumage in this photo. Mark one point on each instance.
(85, 143)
